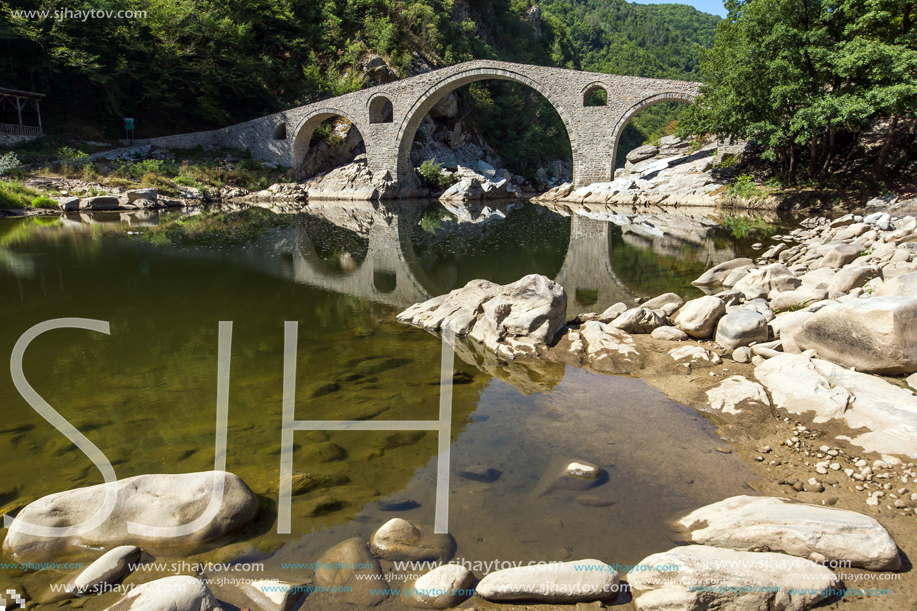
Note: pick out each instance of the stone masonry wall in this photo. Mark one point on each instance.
(593, 130)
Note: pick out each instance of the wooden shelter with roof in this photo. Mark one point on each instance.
(15, 101)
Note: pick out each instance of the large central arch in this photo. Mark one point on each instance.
(436, 91)
(660, 98)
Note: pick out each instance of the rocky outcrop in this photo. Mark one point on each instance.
(883, 416)
(153, 500)
(670, 174)
(511, 320)
(350, 182)
(748, 523)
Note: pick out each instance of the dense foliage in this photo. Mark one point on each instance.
(802, 76)
(196, 64)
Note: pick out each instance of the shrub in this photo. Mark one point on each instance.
(43, 202)
(8, 162)
(744, 188)
(72, 160)
(433, 175)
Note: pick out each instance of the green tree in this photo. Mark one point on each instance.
(794, 74)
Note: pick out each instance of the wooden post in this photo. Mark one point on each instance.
(38, 110)
(18, 111)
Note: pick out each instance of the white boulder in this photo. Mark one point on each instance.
(744, 523)
(701, 578)
(557, 582)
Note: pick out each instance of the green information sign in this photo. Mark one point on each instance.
(129, 124)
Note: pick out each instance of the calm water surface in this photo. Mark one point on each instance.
(146, 393)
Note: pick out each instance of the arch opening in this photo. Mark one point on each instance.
(595, 95)
(324, 141)
(381, 110)
(418, 135)
(280, 131)
(648, 122)
(384, 281)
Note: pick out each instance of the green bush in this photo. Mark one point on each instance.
(433, 175)
(744, 188)
(43, 202)
(8, 162)
(153, 166)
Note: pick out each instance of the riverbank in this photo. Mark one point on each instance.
(766, 357)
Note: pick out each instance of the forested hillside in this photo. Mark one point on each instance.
(197, 64)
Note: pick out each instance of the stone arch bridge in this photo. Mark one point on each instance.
(388, 116)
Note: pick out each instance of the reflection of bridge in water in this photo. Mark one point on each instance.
(391, 273)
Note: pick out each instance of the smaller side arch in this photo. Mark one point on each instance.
(280, 131)
(307, 125)
(659, 98)
(595, 94)
(381, 110)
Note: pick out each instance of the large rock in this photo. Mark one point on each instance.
(68, 204)
(107, 569)
(899, 286)
(666, 299)
(700, 578)
(784, 325)
(741, 328)
(768, 278)
(698, 317)
(154, 500)
(443, 587)
(798, 299)
(642, 153)
(144, 193)
(883, 416)
(510, 320)
(399, 539)
(608, 348)
(101, 202)
(716, 274)
(877, 335)
(351, 571)
(840, 255)
(744, 523)
(638, 320)
(178, 593)
(850, 278)
(558, 582)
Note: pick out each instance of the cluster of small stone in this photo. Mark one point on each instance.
(879, 480)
